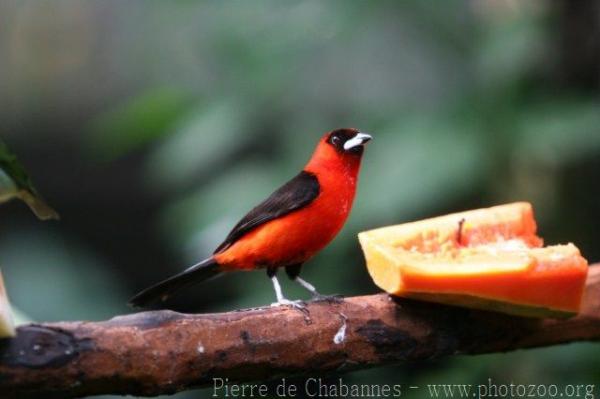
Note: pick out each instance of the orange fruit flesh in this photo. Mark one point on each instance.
(487, 258)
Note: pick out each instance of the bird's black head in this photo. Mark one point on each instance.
(348, 140)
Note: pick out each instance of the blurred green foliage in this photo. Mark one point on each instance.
(140, 121)
(154, 126)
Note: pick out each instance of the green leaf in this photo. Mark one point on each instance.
(15, 177)
(16, 183)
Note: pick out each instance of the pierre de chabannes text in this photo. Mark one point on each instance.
(320, 388)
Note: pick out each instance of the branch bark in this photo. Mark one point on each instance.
(161, 352)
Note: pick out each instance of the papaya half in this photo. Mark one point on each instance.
(488, 259)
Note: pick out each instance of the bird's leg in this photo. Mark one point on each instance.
(281, 300)
(316, 296)
(293, 273)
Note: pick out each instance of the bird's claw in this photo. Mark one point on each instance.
(336, 298)
(286, 302)
(297, 305)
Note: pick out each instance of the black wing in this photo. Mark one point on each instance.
(293, 195)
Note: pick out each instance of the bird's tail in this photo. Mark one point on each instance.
(204, 270)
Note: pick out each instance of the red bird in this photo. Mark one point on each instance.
(289, 227)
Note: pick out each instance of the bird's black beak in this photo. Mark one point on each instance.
(359, 140)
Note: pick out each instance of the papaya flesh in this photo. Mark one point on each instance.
(488, 259)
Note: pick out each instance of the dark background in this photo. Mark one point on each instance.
(153, 126)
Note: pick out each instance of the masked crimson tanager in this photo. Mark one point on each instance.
(288, 228)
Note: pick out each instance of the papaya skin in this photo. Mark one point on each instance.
(515, 309)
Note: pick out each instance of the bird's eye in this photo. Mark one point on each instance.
(335, 140)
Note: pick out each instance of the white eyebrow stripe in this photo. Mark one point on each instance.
(357, 140)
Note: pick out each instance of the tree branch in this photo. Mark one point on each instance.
(160, 352)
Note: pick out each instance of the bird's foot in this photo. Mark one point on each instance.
(286, 302)
(297, 305)
(336, 298)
